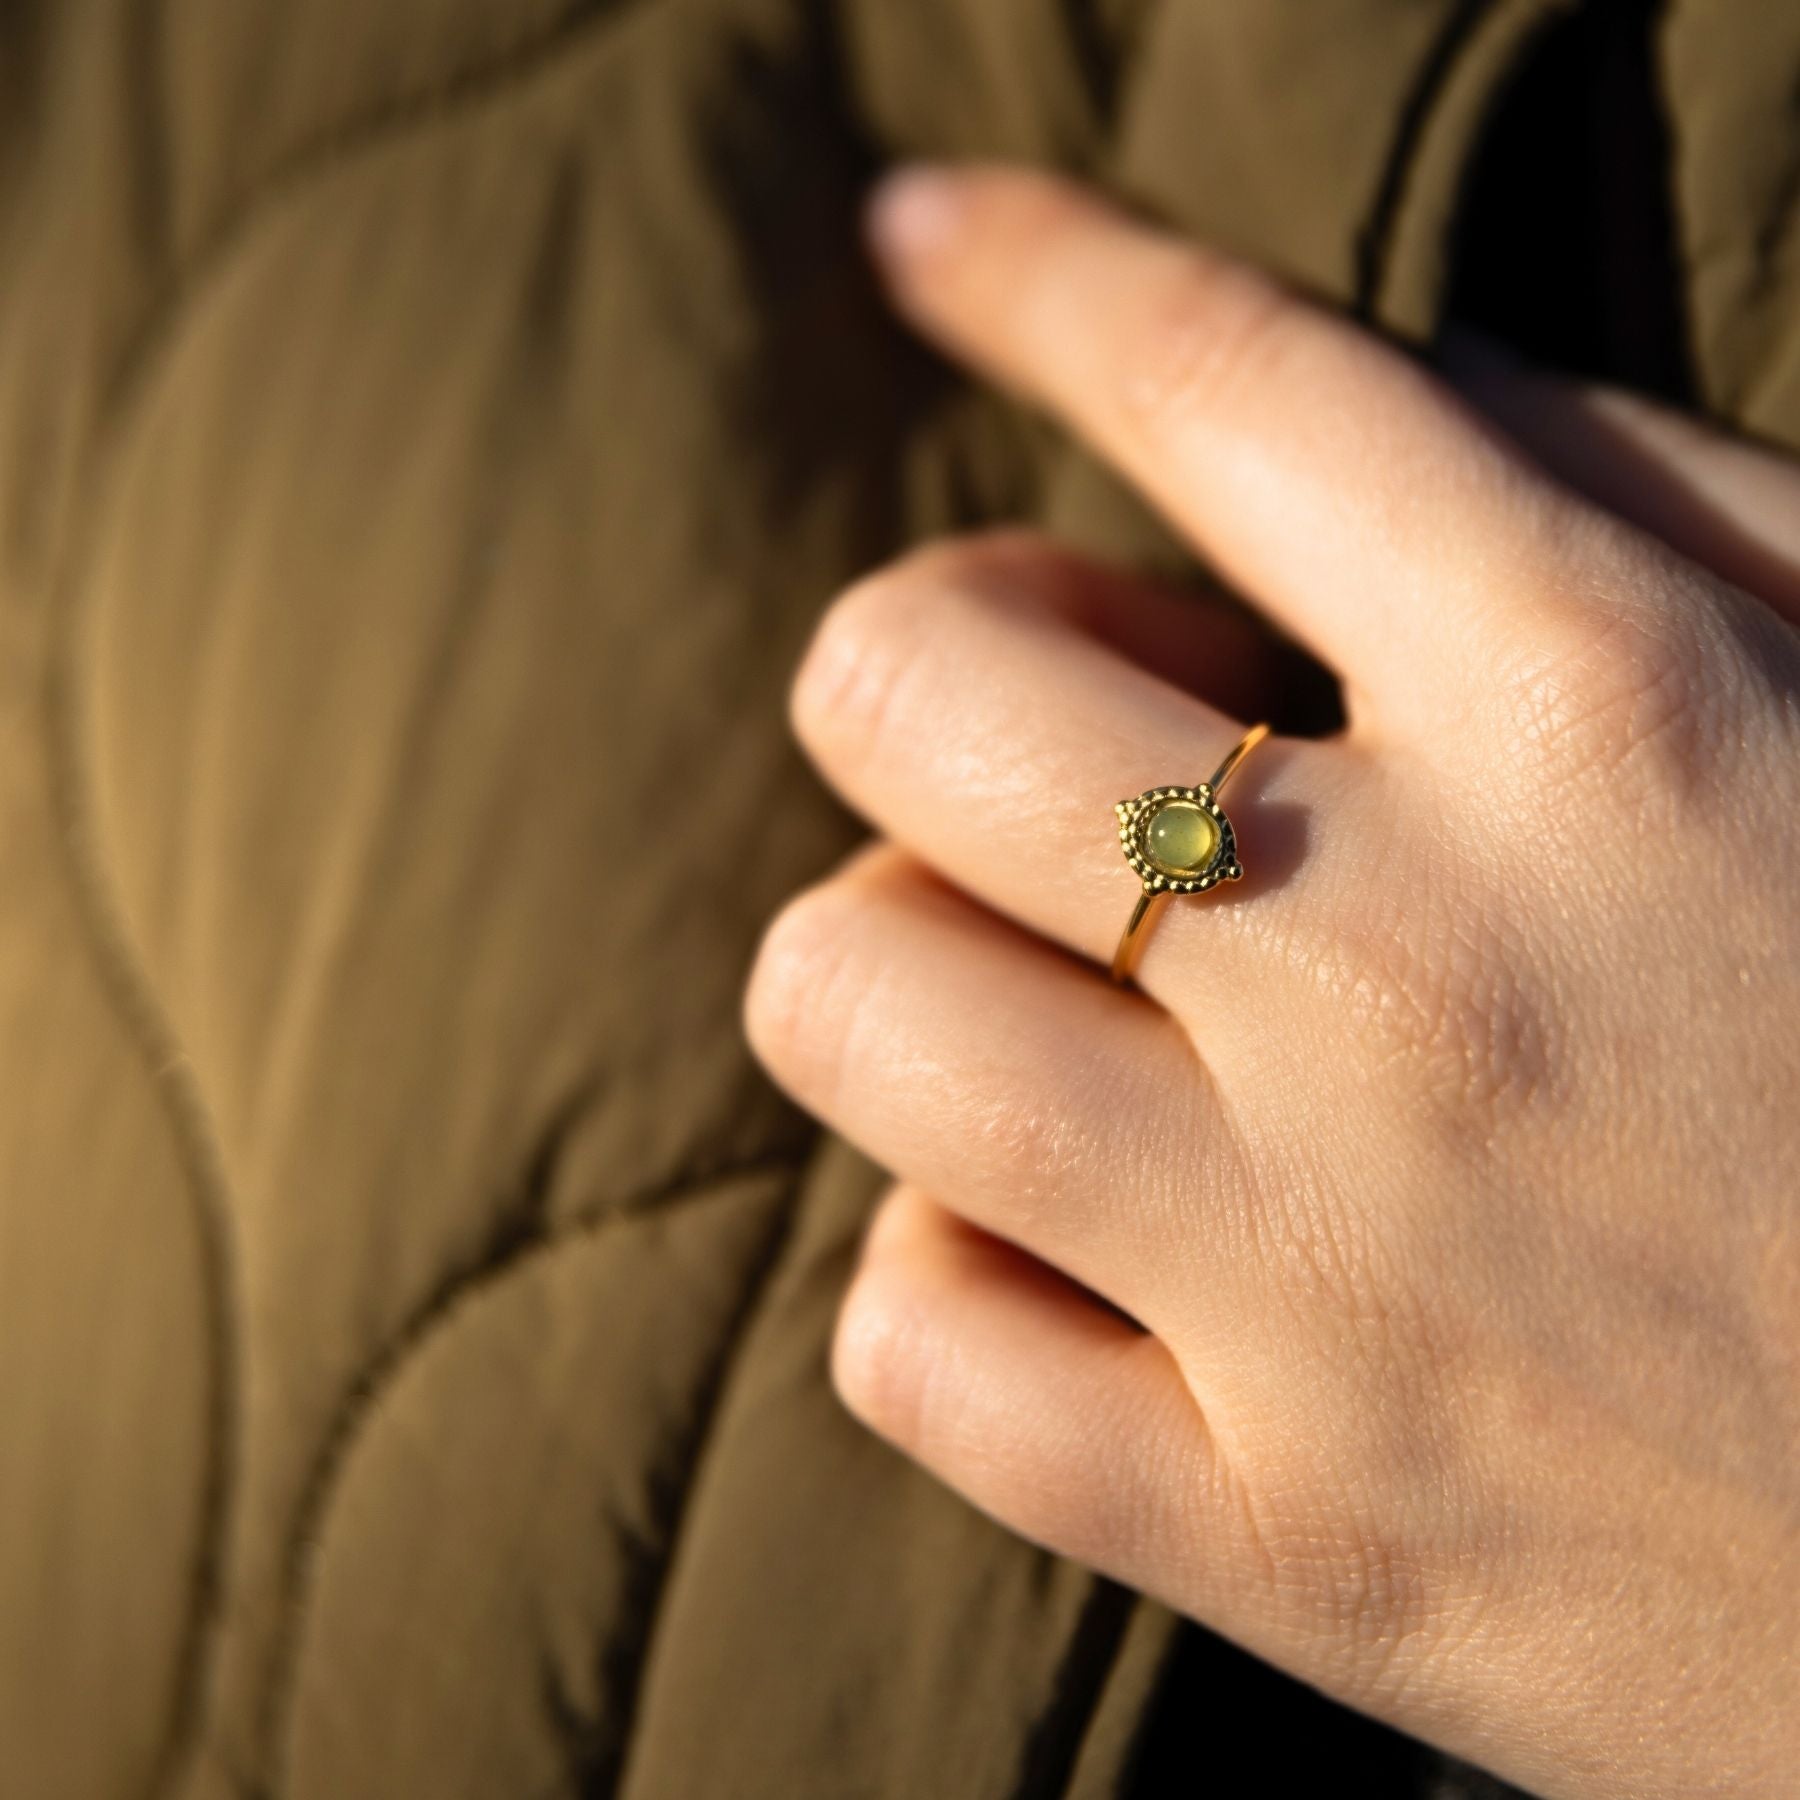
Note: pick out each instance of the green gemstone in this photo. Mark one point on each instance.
(1182, 838)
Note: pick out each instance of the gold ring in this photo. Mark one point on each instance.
(1178, 841)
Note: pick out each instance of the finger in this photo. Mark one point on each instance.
(1083, 1434)
(1327, 475)
(1196, 638)
(1024, 1089)
(1052, 1414)
(1731, 506)
(963, 715)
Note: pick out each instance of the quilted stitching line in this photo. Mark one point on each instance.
(94, 891)
(713, 1406)
(1772, 251)
(496, 80)
(1776, 229)
(196, 1149)
(1375, 242)
(1462, 34)
(1054, 1746)
(428, 1326)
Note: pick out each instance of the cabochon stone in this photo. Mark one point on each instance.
(1182, 838)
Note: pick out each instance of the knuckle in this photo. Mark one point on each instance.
(1618, 698)
(892, 1356)
(805, 988)
(1373, 1594)
(1629, 696)
(900, 1361)
(880, 1359)
(867, 673)
(1484, 1049)
(1444, 1004)
(855, 669)
(1215, 330)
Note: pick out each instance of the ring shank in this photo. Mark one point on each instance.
(1236, 754)
(1136, 934)
(1149, 905)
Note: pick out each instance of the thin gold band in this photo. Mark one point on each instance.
(1150, 901)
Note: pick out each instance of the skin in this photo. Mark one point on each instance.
(1442, 1177)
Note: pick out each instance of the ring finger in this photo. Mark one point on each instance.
(959, 710)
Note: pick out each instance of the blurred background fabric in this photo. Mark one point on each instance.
(428, 431)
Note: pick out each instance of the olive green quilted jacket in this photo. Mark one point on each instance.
(427, 431)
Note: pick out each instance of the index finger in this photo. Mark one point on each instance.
(1324, 472)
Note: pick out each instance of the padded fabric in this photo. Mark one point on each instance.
(428, 430)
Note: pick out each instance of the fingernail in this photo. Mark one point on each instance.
(915, 212)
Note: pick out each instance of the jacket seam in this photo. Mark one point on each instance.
(698, 1464)
(1375, 242)
(493, 81)
(126, 984)
(366, 1393)
(149, 1031)
(1519, 23)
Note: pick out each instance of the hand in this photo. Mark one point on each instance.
(1448, 1168)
